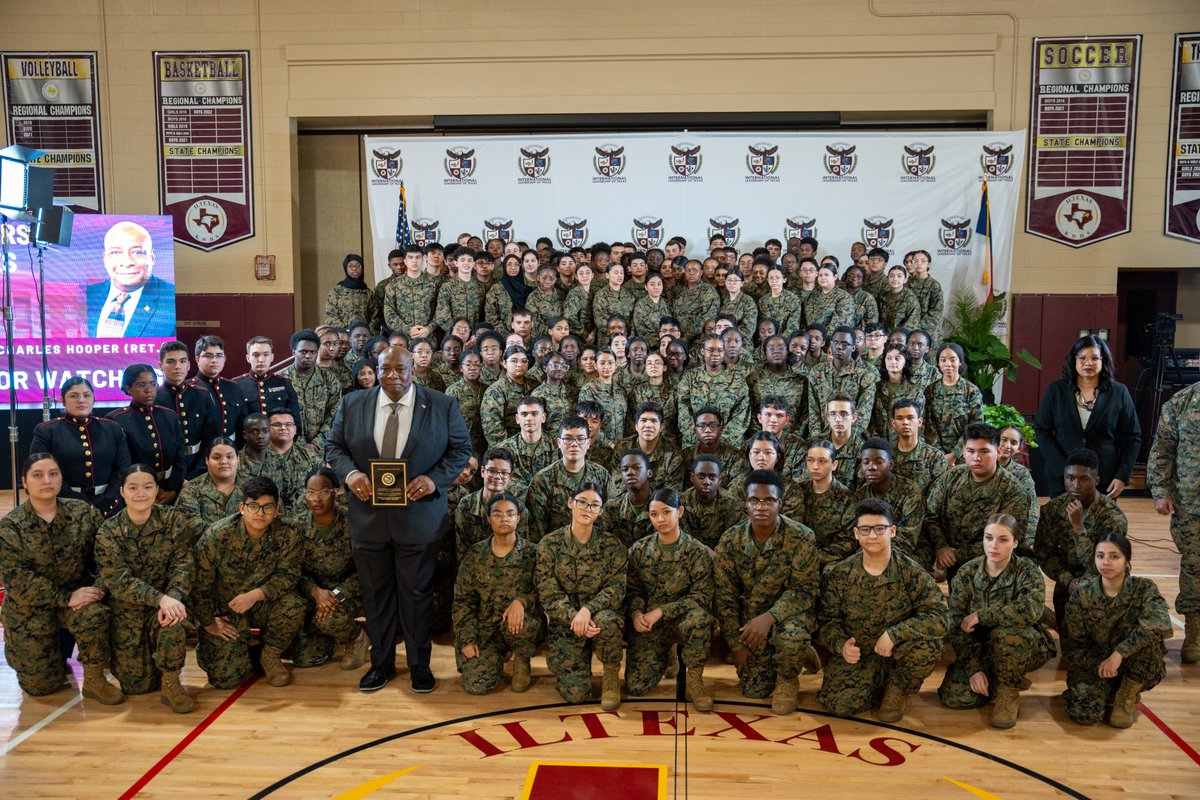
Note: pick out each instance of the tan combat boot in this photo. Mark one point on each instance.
(520, 676)
(1190, 652)
(610, 691)
(1006, 706)
(277, 674)
(173, 696)
(697, 692)
(96, 686)
(1121, 715)
(357, 652)
(894, 704)
(810, 662)
(786, 696)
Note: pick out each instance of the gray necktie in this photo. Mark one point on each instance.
(391, 433)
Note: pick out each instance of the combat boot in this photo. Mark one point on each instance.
(610, 689)
(357, 652)
(520, 677)
(810, 662)
(1190, 652)
(672, 668)
(96, 686)
(894, 704)
(697, 692)
(1006, 707)
(277, 674)
(1121, 715)
(173, 696)
(786, 696)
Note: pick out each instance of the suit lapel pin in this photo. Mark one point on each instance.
(424, 406)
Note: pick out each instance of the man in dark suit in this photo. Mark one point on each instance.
(395, 548)
(132, 302)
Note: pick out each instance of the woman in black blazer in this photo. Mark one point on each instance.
(1087, 408)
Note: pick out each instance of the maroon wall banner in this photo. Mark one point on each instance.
(53, 105)
(1083, 114)
(1183, 159)
(205, 181)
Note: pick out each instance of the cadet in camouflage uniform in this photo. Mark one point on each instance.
(1173, 472)
(829, 306)
(395, 264)
(823, 503)
(498, 409)
(950, 408)
(351, 299)
(558, 396)
(866, 307)
(903, 496)
(318, 391)
(912, 456)
(928, 292)
(882, 618)
(898, 307)
(247, 568)
(471, 524)
(670, 598)
(605, 391)
(714, 386)
(329, 584)
(461, 296)
(581, 579)
(841, 373)
(45, 569)
(468, 391)
(543, 302)
(144, 556)
(708, 510)
(643, 321)
(531, 449)
(665, 463)
(696, 302)
(496, 607)
(661, 393)
(577, 308)
(1116, 625)
(792, 386)
(739, 306)
(408, 303)
(601, 449)
(766, 590)
(608, 300)
(780, 304)
(627, 512)
(286, 464)
(1011, 442)
(1071, 523)
(202, 500)
(553, 486)
(996, 605)
(708, 428)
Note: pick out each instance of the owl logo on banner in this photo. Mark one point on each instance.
(572, 232)
(955, 235)
(799, 227)
(685, 161)
(762, 161)
(498, 228)
(918, 160)
(534, 163)
(840, 161)
(609, 162)
(878, 232)
(727, 227)
(387, 165)
(460, 164)
(996, 161)
(647, 232)
(425, 231)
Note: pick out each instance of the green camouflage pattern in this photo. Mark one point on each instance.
(948, 411)
(326, 562)
(899, 309)
(409, 302)
(830, 309)
(929, 297)
(200, 500)
(549, 492)
(343, 306)
(957, 509)
(828, 515)
(785, 309)
(498, 408)
(320, 395)
(727, 391)
(694, 306)
(857, 380)
(907, 502)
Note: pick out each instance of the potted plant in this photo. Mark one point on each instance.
(972, 326)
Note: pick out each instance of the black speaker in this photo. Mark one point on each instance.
(54, 227)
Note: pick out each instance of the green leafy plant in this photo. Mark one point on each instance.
(972, 327)
(1002, 415)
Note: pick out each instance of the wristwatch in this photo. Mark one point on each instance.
(339, 594)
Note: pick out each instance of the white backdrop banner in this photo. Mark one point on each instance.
(902, 192)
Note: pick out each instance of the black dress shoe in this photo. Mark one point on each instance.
(422, 678)
(375, 679)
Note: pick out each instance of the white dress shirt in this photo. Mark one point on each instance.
(384, 409)
(130, 306)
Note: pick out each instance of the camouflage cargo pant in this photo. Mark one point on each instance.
(850, 689)
(142, 649)
(317, 639)
(31, 641)
(1008, 653)
(570, 656)
(647, 656)
(1088, 695)
(1185, 530)
(780, 656)
(228, 663)
(482, 674)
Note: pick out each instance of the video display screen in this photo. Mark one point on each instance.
(110, 302)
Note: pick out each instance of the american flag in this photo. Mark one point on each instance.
(403, 234)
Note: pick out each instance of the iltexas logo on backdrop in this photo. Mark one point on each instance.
(425, 231)
(609, 162)
(460, 165)
(386, 166)
(647, 231)
(761, 163)
(498, 228)
(918, 161)
(955, 236)
(572, 232)
(840, 163)
(534, 163)
(729, 227)
(996, 161)
(798, 227)
(878, 231)
(685, 161)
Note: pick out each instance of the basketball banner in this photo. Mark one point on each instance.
(1183, 158)
(53, 105)
(205, 176)
(901, 191)
(1083, 114)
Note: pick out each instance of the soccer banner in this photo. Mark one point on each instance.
(1183, 158)
(53, 105)
(204, 168)
(901, 192)
(1083, 114)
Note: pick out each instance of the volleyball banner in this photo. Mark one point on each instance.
(898, 191)
(1183, 159)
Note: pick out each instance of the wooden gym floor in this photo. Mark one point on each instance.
(320, 737)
